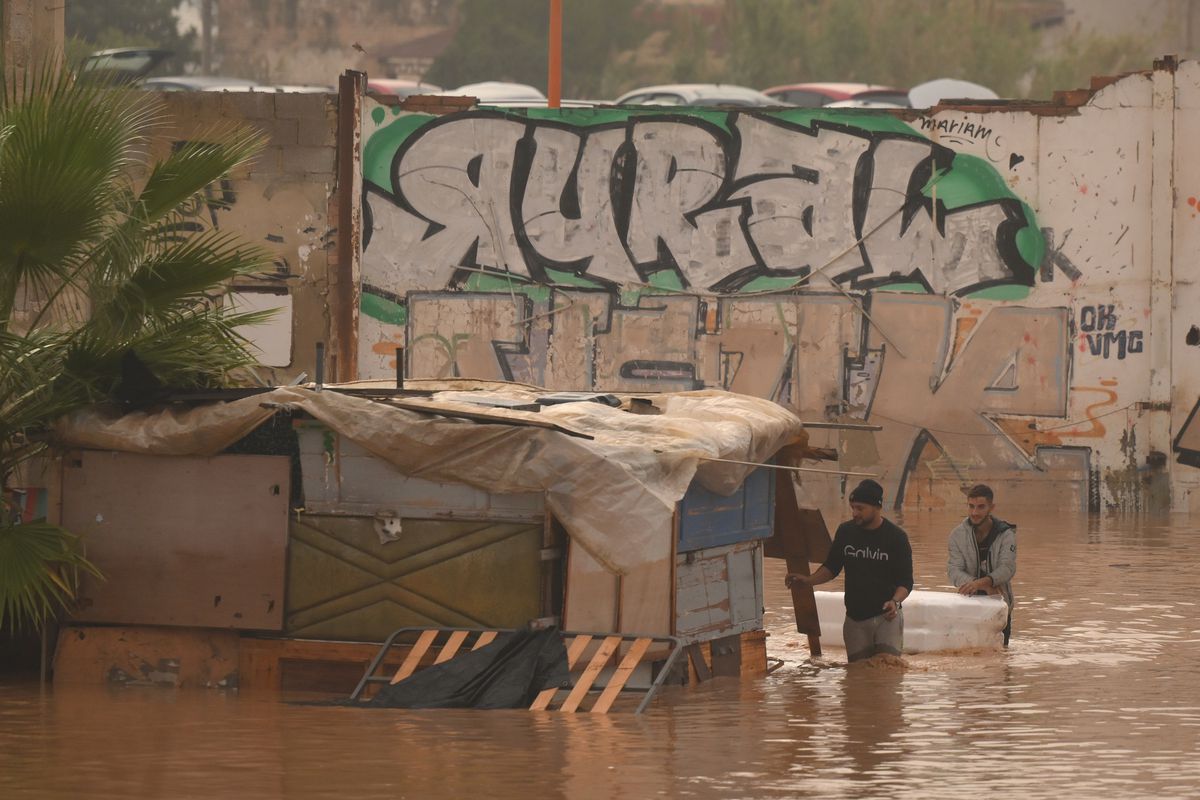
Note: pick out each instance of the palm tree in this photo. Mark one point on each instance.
(99, 268)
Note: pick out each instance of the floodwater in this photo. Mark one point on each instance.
(1099, 695)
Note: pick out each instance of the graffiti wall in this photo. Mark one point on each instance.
(979, 284)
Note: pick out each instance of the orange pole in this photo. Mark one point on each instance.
(554, 84)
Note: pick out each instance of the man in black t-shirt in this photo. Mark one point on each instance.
(879, 575)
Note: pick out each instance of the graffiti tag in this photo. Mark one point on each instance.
(1097, 325)
(717, 207)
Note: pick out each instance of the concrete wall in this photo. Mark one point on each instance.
(285, 201)
(1006, 289)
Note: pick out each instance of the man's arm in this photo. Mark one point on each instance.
(892, 607)
(904, 580)
(826, 572)
(822, 575)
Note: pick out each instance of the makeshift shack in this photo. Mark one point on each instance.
(266, 538)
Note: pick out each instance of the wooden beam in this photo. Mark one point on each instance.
(484, 639)
(450, 649)
(578, 645)
(414, 656)
(598, 662)
(619, 678)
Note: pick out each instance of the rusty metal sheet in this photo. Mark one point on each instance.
(181, 540)
(345, 583)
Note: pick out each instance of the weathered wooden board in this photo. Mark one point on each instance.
(181, 540)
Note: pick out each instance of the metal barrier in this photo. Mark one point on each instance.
(599, 649)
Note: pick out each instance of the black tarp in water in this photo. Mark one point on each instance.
(507, 673)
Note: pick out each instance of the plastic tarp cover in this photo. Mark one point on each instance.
(615, 493)
(509, 672)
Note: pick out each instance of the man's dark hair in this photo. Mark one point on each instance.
(980, 490)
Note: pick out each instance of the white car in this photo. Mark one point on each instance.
(201, 83)
(696, 94)
(490, 92)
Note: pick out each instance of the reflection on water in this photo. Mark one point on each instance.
(1097, 694)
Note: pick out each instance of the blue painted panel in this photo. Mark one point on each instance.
(707, 519)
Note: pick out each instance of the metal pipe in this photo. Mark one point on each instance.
(554, 81)
(320, 365)
(843, 426)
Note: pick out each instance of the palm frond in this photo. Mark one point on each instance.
(40, 567)
(64, 164)
(29, 367)
(77, 227)
(194, 166)
(171, 280)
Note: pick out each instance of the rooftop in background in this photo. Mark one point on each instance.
(822, 94)
(697, 94)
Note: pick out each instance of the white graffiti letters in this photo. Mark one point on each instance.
(800, 187)
(619, 202)
(461, 185)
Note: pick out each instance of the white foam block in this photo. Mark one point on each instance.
(932, 621)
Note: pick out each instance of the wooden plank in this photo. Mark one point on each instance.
(414, 656)
(618, 679)
(450, 649)
(263, 662)
(484, 639)
(591, 593)
(698, 663)
(598, 662)
(646, 593)
(754, 653)
(574, 651)
(743, 582)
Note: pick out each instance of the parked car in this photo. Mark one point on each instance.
(399, 87)
(202, 83)
(811, 95)
(697, 94)
(297, 88)
(121, 65)
(129, 66)
(931, 93)
(494, 92)
(854, 102)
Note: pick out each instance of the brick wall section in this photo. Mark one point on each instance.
(437, 104)
(282, 200)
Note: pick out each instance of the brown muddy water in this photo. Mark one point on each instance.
(1099, 695)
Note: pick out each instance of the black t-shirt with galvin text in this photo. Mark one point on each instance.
(876, 562)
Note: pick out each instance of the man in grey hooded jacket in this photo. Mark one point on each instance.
(983, 552)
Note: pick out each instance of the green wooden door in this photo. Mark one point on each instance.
(343, 583)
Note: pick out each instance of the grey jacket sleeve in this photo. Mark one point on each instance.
(958, 567)
(1004, 555)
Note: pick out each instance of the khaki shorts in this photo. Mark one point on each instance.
(875, 635)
